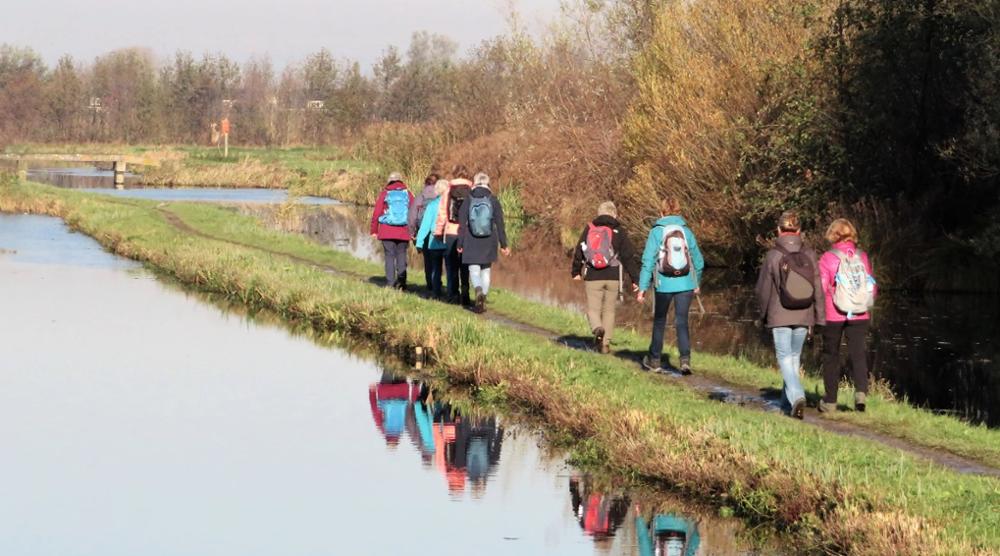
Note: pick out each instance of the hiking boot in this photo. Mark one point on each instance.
(686, 366)
(799, 408)
(599, 338)
(826, 407)
(480, 301)
(859, 401)
(647, 363)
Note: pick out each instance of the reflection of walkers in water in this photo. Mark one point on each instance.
(599, 514)
(666, 535)
(465, 447)
(391, 400)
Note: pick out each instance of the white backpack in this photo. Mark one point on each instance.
(853, 290)
(673, 259)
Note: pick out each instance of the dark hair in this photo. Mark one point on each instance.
(431, 179)
(460, 172)
(789, 221)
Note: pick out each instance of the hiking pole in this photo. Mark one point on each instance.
(701, 307)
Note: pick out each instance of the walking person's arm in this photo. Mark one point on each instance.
(412, 224)
(627, 258)
(648, 264)
(463, 225)
(576, 270)
(376, 212)
(500, 226)
(765, 286)
(819, 298)
(696, 259)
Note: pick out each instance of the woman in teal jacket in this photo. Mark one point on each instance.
(433, 247)
(674, 270)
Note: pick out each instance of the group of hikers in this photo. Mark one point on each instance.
(455, 223)
(458, 223)
(796, 291)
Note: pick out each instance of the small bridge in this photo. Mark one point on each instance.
(118, 162)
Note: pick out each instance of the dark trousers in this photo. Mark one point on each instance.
(395, 261)
(457, 272)
(433, 261)
(856, 331)
(682, 305)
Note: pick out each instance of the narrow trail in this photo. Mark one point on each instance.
(714, 389)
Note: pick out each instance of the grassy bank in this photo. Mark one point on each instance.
(831, 492)
(885, 415)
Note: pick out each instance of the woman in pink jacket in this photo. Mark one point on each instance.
(843, 238)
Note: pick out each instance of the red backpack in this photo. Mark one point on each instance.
(597, 250)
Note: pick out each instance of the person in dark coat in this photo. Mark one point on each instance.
(481, 229)
(389, 225)
(603, 281)
(789, 326)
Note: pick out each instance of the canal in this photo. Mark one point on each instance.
(140, 418)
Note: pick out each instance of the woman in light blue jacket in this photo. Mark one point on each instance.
(672, 264)
(433, 247)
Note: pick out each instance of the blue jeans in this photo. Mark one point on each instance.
(682, 305)
(433, 260)
(788, 343)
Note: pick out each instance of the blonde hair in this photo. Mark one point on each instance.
(841, 229)
(441, 187)
(607, 208)
(670, 205)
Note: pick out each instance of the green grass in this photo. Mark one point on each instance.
(831, 492)
(890, 417)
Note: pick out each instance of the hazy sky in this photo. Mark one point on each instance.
(287, 30)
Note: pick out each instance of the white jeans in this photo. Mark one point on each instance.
(479, 277)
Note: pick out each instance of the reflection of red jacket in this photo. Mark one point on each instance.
(384, 231)
(595, 520)
(389, 391)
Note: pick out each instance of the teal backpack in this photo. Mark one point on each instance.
(398, 203)
(481, 216)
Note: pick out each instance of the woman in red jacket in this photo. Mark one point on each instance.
(390, 226)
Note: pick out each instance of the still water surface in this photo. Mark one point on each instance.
(138, 419)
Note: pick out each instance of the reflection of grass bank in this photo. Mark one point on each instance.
(835, 493)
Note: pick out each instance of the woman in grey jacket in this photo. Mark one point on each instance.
(790, 294)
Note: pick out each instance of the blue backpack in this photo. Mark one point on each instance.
(398, 203)
(481, 217)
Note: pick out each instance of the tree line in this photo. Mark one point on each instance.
(885, 111)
